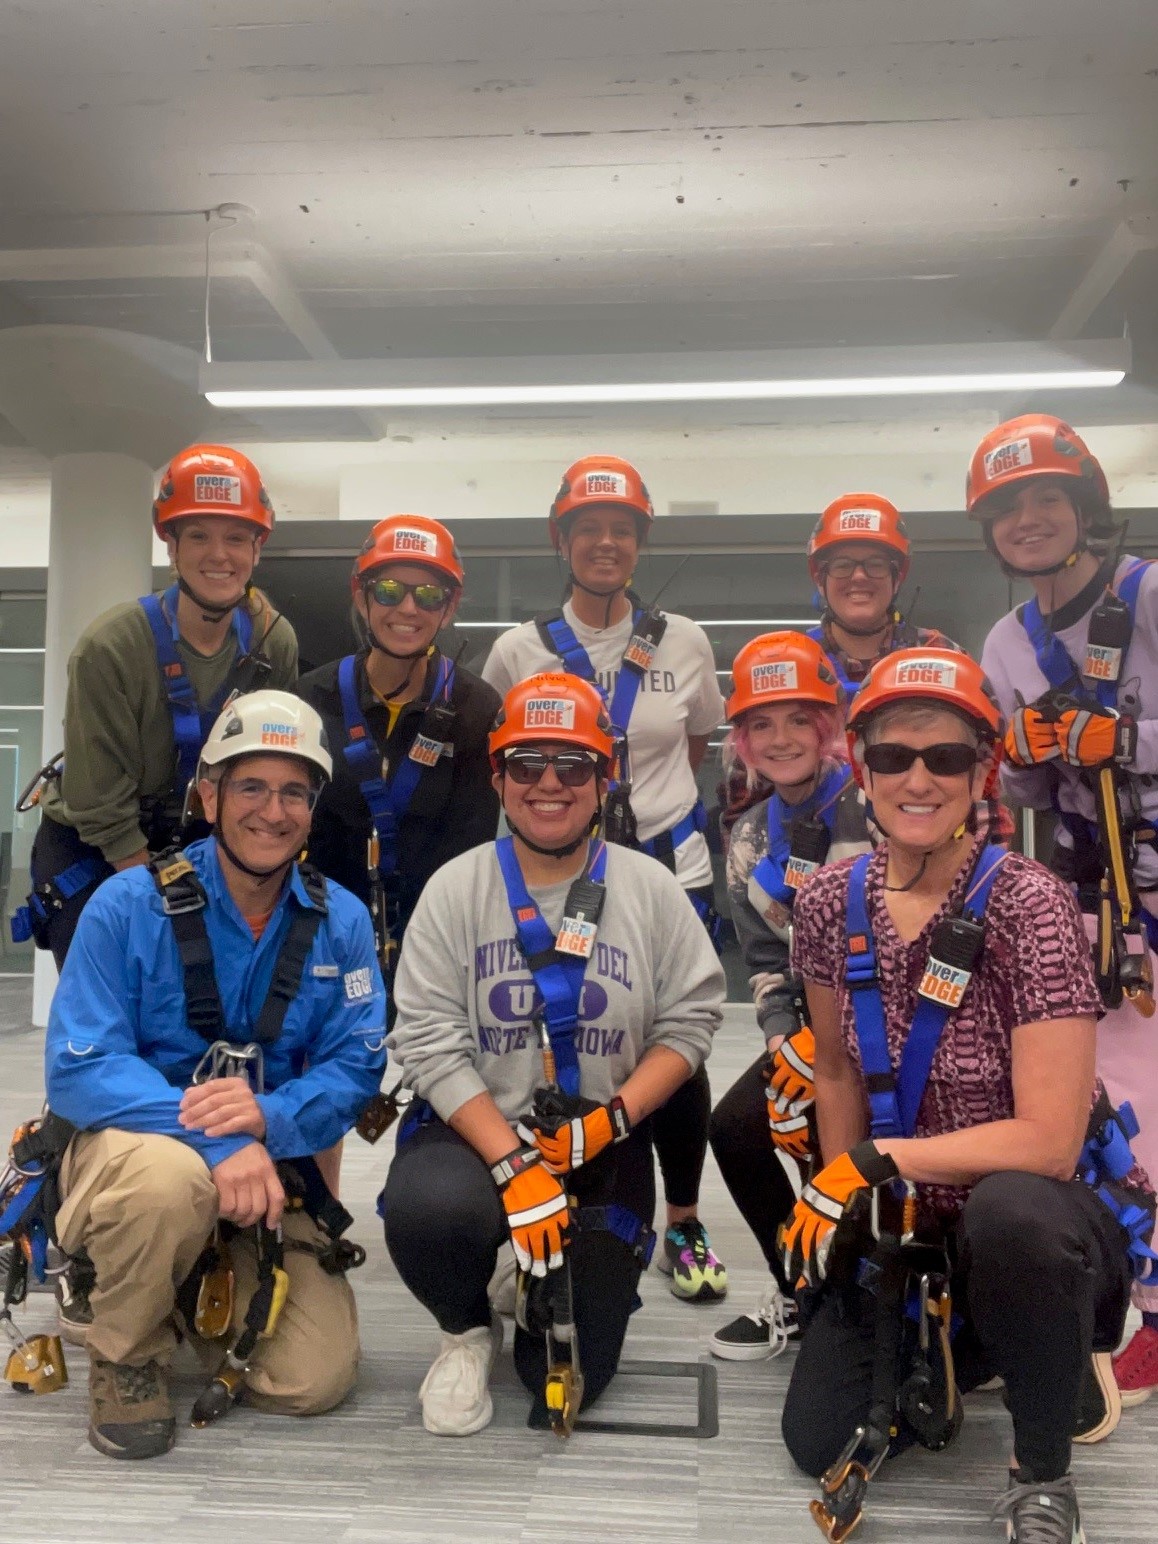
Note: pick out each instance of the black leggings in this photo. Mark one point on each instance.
(1042, 1281)
(55, 848)
(755, 1177)
(445, 1222)
(680, 1132)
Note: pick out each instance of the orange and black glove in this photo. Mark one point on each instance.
(791, 1094)
(1031, 738)
(790, 1071)
(808, 1233)
(1095, 737)
(536, 1210)
(574, 1142)
(790, 1127)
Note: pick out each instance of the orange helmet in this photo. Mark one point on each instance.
(931, 675)
(1035, 445)
(599, 480)
(212, 480)
(408, 539)
(858, 517)
(782, 667)
(552, 706)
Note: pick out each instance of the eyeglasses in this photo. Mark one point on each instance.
(574, 769)
(296, 798)
(875, 567)
(427, 596)
(949, 760)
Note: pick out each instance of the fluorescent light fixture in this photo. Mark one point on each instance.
(738, 376)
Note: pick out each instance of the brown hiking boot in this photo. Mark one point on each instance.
(129, 1411)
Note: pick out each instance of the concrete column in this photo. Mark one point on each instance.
(99, 553)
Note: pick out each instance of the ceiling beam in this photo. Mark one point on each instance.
(248, 260)
(1137, 233)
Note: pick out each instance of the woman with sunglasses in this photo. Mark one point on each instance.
(590, 993)
(858, 557)
(787, 715)
(658, 675)
(953, 1005)
(1076, 672)
(407, 728)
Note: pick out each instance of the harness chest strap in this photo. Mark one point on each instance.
(895, 1096)
(772, 872)
(558, 636)
(558, 975)
(1054, 660)
(191, 722)
(389, 800)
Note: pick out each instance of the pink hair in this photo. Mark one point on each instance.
(829, 725)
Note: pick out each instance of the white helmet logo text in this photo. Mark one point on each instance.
(284, 736)
(1008, 458)
(777, 677)
(216, 488)
(407, 539)
(549, 713)
(606, 485)
(927, 672)
(852, 520)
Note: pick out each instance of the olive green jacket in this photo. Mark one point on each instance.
(118, 730)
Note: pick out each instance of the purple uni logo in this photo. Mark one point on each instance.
(513, 1002)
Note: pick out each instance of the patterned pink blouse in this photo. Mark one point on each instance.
(1035, 966)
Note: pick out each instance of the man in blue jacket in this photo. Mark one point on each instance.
(162, 1152)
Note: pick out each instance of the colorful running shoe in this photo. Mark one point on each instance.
(1136, 1369)
(696, 1274)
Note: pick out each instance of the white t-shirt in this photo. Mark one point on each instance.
(679, 696)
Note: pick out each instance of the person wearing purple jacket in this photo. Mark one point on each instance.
(1075, 669)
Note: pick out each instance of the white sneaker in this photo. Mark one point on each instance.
(501, 1290)
(454, 1394)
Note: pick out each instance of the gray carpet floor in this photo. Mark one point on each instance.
(370, 1472)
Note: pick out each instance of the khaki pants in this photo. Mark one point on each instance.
(142, 1207)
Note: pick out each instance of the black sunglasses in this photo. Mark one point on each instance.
(427, 596)
(572, 768)
(949, 760)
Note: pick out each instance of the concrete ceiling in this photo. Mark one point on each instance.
(447, 177)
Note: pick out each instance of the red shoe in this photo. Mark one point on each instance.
(1136, 1369)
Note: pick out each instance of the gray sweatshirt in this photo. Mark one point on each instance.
(464, 994)
(1009, 662)
(763, 926)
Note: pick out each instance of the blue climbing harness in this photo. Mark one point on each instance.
(559, 636)
(1103, 1164)
(1053, 658)
(895, 1096)
(558, 976)
(771, 873)
(191, 721)
(388, 801)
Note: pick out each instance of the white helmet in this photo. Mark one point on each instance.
(268, 723)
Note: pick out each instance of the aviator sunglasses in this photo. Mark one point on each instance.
(949, 760)
(392, 592)
(572, 768)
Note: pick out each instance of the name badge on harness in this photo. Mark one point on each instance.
(954, 952)
(1102, 664)
(644, 641)
(581, 913)
(426, 751)
(797, 870)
